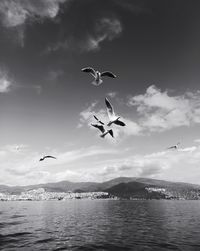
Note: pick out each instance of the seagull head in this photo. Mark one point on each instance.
(98, 74)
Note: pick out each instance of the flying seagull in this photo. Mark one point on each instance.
(174, 147)
(47, 156)
(97, 75)
(17, 148)
(111, 115)
(102, 129)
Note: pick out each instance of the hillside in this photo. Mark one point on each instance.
(122, 187)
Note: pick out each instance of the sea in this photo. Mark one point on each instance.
(100, 225)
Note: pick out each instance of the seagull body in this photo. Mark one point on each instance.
(174, 147)
(98, 75)
(47, 156)
(102, 129)
(111, 115)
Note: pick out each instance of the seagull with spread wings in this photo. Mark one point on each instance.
(98, 75)
(174, 147)
(46, 157)
(111, 115)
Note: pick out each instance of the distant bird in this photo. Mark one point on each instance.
(47, 156)
(102, 129)
(174, 147)
(98, 120)
(111, 115)
(17, 148)
(98, 75)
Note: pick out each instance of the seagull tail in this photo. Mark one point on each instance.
(104, 134)
(97, 82)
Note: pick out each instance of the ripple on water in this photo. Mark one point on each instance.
(15, 216)
(13, 239)
(100, 225)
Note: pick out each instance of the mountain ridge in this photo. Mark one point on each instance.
(66, 186)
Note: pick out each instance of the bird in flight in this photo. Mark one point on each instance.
(98, 75)
(46, 157)
(174, 147)
(111, 115)
(17, 148)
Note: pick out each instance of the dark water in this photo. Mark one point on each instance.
(100, 225)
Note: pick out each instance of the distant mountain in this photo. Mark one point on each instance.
(142, 188)
(135, 190)
(62, 186)
(122, 187)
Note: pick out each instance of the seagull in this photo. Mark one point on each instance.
(97, 75)
(102, 129)
(17, 148)
(174, 147)
(47, 156)
(111, 114)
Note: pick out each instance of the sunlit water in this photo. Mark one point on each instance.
(100, 225)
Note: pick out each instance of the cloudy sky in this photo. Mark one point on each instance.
(47, 104)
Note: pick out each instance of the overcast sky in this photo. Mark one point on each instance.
(47, 103)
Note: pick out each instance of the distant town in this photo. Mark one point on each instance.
(40, 194)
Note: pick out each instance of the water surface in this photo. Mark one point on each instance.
(100, 225)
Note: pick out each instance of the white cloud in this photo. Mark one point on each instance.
(15, 14)
(5, 82)
(159, 111)
(15, 148)
(105, 29)
(87, 115)
(181, 165)
(22, 166)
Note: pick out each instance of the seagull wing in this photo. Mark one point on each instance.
(118, 122)
(100, 127)
(171, 147)
(98, 120)
(89, 70)
(111, 133)
(48, 156)
(110, 110)
(108, 74)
